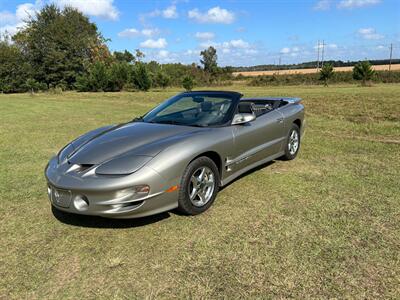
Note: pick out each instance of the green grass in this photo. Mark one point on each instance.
(326, 225)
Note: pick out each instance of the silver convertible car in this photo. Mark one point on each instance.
(177, 155)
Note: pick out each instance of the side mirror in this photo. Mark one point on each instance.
(243, 118)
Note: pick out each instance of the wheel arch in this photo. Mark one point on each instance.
(297, 122)
(214, 156)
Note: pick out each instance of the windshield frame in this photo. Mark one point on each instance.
(234, 96)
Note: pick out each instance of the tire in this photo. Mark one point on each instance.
(290, 149)
(195, 200)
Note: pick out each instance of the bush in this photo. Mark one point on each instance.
(326, 73)
(118, 75)
(33, 86)
(162, 80)
(140, 77)
(188, 83)
(364, 72)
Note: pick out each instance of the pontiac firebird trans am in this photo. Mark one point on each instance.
(176, 156)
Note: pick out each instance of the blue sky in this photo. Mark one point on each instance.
(244, 32)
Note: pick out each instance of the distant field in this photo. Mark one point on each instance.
(308, 71)
(323, 226)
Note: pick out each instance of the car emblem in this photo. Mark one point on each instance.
(56, 194)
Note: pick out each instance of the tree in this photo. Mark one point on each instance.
(14, 69)
(139, 55)
(209, 60)
(326, 73)
(188, 83)
(141, 77)
(58, 44)
(363, 71)
(125, 56)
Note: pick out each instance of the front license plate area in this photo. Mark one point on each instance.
(61, 198)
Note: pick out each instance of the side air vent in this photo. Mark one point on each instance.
(83, 167)
(80, 168)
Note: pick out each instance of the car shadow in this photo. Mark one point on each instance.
(99, 222)
(267, 164)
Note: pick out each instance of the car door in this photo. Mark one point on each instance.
(258, 139)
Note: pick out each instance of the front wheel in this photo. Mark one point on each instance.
(199, 186)
(292, 143)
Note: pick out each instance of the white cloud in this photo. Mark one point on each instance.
(285, 50)
(332, 46)
(357, 3)
(133, 32)
(381, 47)
(369, 34)
(205, 35)
(323, 5)
(13, 22)
(213, 15)
(170, 12)
(232, 44)
(129, 33)
(97, 8)
(163, 53)
(158, 44)
(236, 44)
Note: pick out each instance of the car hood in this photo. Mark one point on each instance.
(138, 138)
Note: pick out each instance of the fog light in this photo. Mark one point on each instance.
(81, 203)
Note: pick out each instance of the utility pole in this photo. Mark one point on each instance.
(279, 63)
(318, 56)
(322, 55)
(390, 59)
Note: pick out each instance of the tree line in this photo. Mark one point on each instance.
(362, 72)
(311, 65)
(61, 49)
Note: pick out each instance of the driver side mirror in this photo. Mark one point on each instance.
(243, 118)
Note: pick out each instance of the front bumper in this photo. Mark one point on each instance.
(108, 196)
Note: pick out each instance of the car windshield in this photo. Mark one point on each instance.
(193, 110)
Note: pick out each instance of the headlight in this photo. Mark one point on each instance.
(123, 165)
(63, 154)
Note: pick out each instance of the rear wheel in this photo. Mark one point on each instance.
(199, 186)
(292, 143)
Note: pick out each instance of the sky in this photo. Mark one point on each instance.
(244, 33)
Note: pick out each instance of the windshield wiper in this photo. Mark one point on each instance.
(197, 125)
(172, 122)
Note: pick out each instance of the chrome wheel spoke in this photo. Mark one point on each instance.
(201, 186)
(293, 142)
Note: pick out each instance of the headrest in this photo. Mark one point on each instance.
(198, 99)
(245, 108)
(206, 106)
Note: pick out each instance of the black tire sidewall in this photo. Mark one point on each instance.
(184, 203)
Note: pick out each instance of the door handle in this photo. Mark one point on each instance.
(279, 120)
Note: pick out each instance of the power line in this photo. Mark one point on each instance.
(390, 59)
(318, 56)
(322, 55)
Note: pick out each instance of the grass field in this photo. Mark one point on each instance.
(395, 67)
(326, 225)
